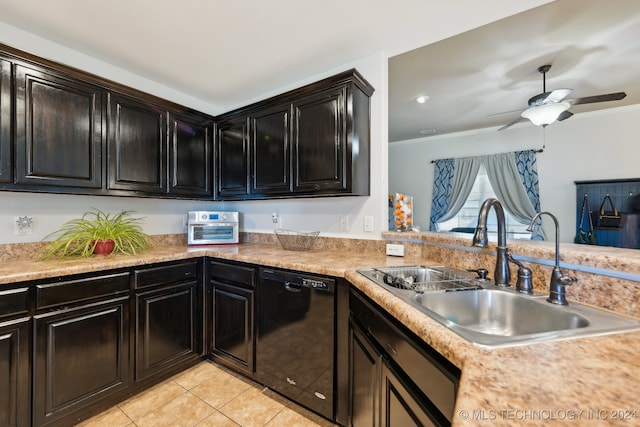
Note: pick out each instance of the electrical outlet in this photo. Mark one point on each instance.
(344, 223)
(395, 250)
(368, 223)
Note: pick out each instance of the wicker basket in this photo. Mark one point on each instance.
(296, 240)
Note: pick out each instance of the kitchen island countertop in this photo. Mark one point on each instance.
(586, 381)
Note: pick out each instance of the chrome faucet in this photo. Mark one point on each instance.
(502, 275)
(559, 280)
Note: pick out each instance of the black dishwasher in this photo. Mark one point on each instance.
(295, 342)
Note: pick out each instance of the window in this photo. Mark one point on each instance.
(467, 218)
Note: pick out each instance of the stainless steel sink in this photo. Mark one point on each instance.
(491, 316)
(496, 312)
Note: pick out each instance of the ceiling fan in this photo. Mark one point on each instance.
(548, 107)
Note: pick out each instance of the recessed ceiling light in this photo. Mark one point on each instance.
(422, 99)
(427, 131)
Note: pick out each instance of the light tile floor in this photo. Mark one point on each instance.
(207, 395)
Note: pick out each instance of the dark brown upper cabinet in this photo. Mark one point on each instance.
(312, 141)
(190, 155)
(232, 161)
(270, 150)
(6, 164)
(320, 143)
(58, 130)
(136, 145)
(64, 130)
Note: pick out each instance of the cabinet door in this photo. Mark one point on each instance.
(58, 130)
(232, 159)
(137, 141)
(190, 155)
(167, 325)
(6, 163)
(270, 152)
(15, 390)
(364, 379)
(81, 354)
(233, 323)
(319, 143)
(400, 407)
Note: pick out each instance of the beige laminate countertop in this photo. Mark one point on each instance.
(587, 381)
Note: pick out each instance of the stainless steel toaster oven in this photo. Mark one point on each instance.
(213, 228)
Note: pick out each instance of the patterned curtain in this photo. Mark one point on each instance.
(514, 178)
(528, 170)
(526, 163)
(442, 184)
(453, 181)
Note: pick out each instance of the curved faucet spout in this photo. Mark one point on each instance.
(559, 280)
(502, 275)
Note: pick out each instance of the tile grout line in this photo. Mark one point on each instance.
(185, 390)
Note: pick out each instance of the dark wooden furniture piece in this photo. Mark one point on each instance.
(77, 133)
(168, 327)
(15, 375)
(624, 194)
(190, 155)
(312, 141)
(136, 145)
(6, 111)
(395, 379)
(81, 134)
(81, 344)
(58, 130)
(97, 338)
(231, 292)
(231, 164)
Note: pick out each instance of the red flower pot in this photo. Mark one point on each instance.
(103, 247)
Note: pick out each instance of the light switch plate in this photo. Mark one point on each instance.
(368, 223)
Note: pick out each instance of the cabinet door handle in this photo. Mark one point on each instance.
(393, 350)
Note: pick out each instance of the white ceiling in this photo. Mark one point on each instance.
(228, 51)
(592, 45)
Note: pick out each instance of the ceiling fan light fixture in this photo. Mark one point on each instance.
(542, 115)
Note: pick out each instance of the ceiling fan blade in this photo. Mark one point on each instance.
(564, 116)
(558, 95)
(548, 97)
(597, 98)
(508, 125)
(506, 112)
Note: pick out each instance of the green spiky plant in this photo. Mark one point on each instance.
(77, 238)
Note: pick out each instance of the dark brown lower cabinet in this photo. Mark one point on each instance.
(400, 405)
(364, 368)
(394, 379)
(15, 378)
(167, 328)
(232, 326)
(81, 355)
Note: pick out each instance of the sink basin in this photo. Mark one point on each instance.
(496, 312)
(491, 316)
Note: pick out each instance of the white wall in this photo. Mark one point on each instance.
(589, 146)
(28, 42)
(165, 216)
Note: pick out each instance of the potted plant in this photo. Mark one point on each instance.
(96, 232)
